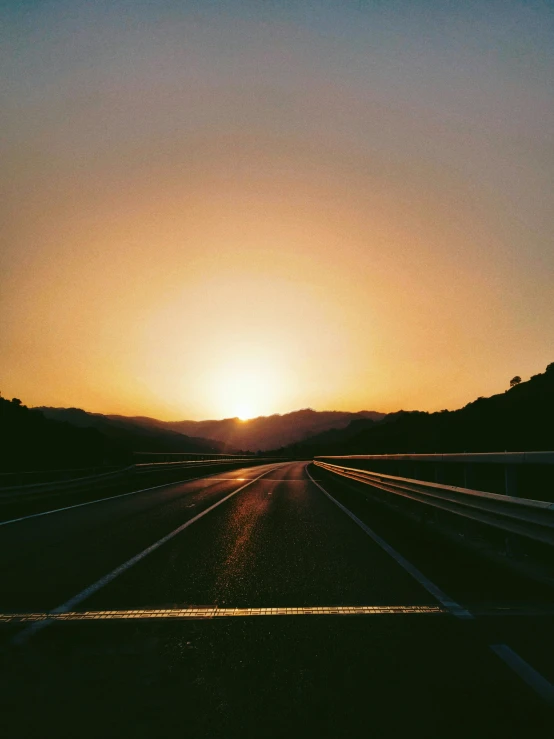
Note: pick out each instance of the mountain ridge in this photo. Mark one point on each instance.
(133, 435)
(268, 432)
(230, 434)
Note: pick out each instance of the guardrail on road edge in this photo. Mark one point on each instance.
(531, 519)
(82, 484)
(516, 465)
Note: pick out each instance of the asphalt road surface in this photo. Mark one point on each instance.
(160, 622)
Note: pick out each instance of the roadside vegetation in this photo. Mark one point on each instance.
(520, 419)
(32, 442)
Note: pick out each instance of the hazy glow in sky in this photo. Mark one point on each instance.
(237, 208)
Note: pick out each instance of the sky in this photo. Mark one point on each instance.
(215, 209)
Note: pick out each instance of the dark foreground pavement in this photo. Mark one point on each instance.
(279, 542)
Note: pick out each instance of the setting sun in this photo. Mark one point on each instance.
(255, 254)
(246, 388)
(293, 213)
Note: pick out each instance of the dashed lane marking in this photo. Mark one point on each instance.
(215, 612)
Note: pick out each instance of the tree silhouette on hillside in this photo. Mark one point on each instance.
(31, 441)
(519, 420)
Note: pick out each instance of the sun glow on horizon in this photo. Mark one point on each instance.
(246, 388)
(232, 210)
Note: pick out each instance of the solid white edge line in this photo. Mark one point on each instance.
(24, 635)
(104, 500)
(539, 684)
(454, 608)
(528, 674)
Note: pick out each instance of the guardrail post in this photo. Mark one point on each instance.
(510, 480)
(469, 476)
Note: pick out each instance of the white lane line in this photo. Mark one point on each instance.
(453, 607)
(528, 674)
(122, 495)
(23, 636)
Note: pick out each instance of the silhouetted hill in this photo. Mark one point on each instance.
(520, 419)
(132, 435)
(30, 441)
(262, 433)
(333, 436)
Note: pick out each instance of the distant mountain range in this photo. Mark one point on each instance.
(262, 433)
(135, 436)
(228, 435)
(520, 419)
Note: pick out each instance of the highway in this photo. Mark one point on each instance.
(442, 644)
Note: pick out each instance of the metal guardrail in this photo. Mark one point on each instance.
(178, 464)
(465, 457)
(90, 482)
(158, 457)
(513, 463)
(29, 477)
(76, 484)
(159, 466)
(532, 519)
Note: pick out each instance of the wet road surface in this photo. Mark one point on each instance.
(263, 537)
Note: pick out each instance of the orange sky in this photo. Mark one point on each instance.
(230, 211)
